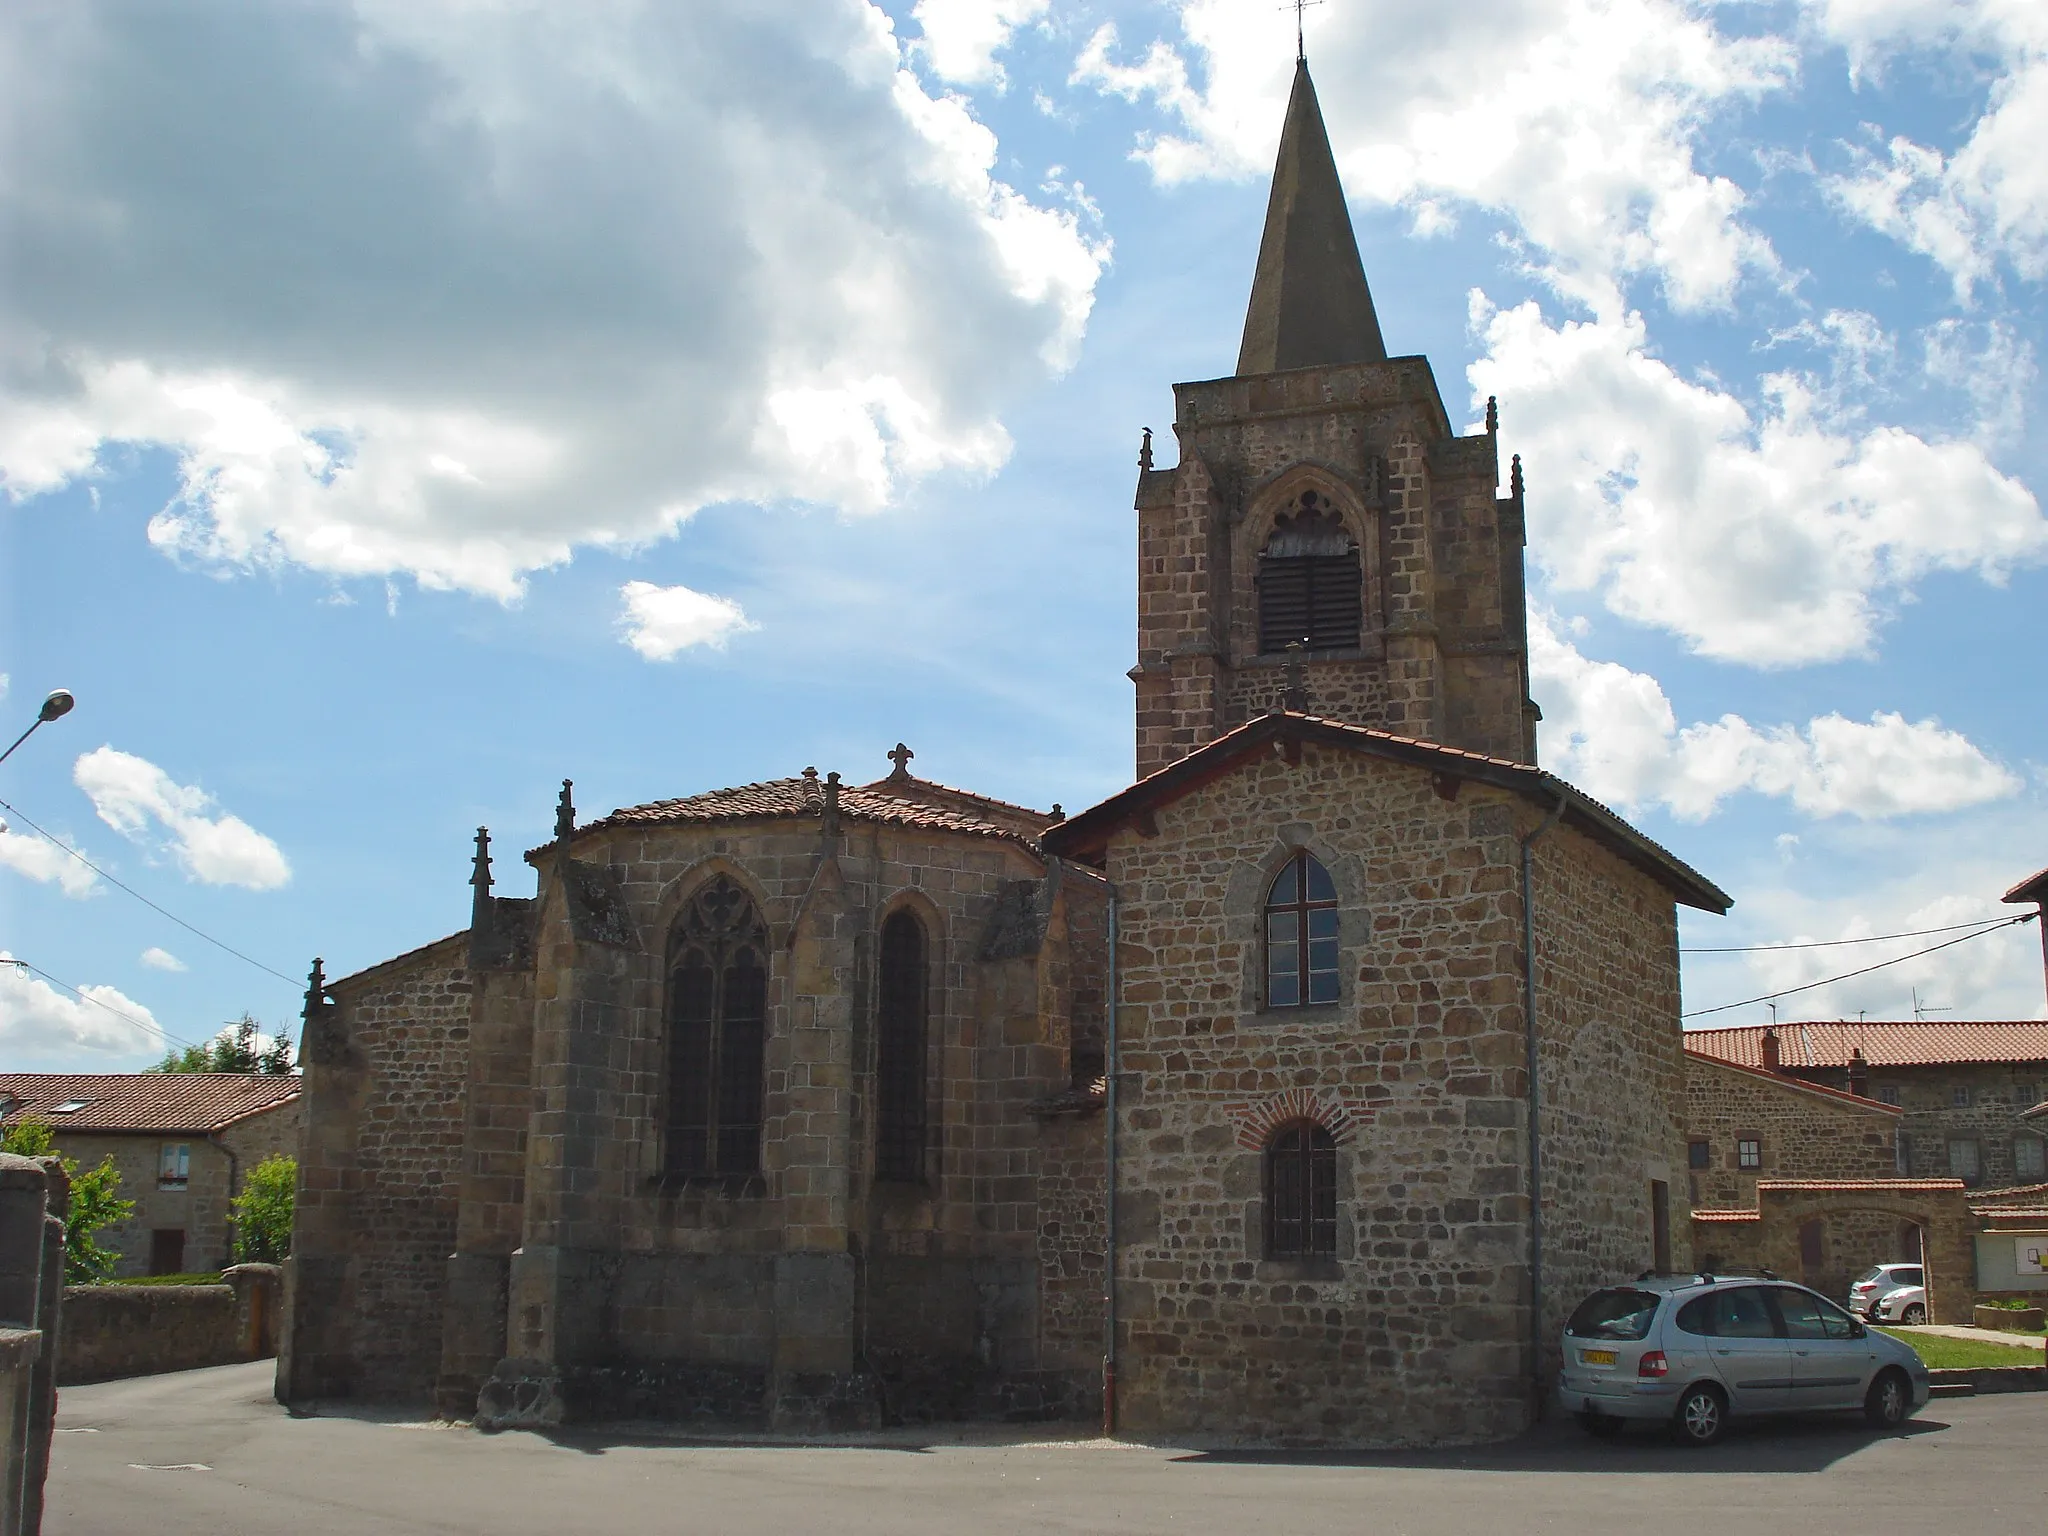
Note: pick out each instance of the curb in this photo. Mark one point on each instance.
(1986, 1379)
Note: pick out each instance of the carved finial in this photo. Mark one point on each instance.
(901, 758)
(1515, 478)
(1058, 815)
(316, 990)
(831, 805)
(480, 880)
(565, 814)
(1492, 413)
(1297, 687)
(1145, 451)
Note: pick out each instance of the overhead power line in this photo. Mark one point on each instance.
(1875, 938)
(291, 981)
(1698, 1013)
(143, 1024)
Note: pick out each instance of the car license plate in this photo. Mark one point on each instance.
(1597, 1356)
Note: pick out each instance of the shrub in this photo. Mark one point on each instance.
(263, 1211)
(95, 1202)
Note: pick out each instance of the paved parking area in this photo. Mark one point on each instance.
(209, 1454)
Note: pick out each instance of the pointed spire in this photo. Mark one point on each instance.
(1310, 303)
(480, 906)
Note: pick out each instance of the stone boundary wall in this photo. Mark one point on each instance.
(111, 1331)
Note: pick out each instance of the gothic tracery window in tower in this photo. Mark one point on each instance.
(717, 1030)
(1310, 581)
(900, 1051)
(1301, 934)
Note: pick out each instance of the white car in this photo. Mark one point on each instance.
(1891, 1293)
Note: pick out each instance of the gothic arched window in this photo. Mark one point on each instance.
(1301, 1192)
(717, 1029)
(900, 1051)
(1310, 582)
(1301, 934)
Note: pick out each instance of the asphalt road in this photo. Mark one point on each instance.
(208, 1453)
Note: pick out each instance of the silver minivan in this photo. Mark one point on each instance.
(1694, 1351)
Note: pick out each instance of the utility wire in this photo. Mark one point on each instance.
(162, 1034)
(2009, 922)
(88, 863)
(1875, 938)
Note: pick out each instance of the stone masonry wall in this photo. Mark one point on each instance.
(1804, 1133)
(1994, 1093)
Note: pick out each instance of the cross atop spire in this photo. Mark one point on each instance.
(1300, 50)
(1310, 304)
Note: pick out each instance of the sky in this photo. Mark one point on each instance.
(407, 406)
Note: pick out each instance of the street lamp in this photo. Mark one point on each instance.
(55, 707)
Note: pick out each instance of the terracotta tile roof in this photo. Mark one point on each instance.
(1727, 1215)
(2033, 888)
(1916, 1186)
(908, 786)
(1086, 834)
(1898, 1043)
(1800, 1085)
(186, 1103)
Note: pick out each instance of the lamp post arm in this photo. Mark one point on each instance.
(24, 736)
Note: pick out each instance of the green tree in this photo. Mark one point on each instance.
(263, 1211)
(96, 1203)
(237, 1048)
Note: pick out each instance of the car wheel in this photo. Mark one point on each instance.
(1889, 1401)
(1702, 1416)
(1602, 1426)
(1914, 1315)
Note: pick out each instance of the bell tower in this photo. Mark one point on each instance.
(1324, 518)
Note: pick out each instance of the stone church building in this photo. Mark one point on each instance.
(801, 1104)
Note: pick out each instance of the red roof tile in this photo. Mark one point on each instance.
(1897, 1043)
(187, 1103)
(1861, 1185)
(2033, 888)
(1800, 1085)
(1727, 1215)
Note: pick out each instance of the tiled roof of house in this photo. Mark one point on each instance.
(1800, 1085)
(1085, 835)
(1724, 1216)
(2033, 888)
(184, 1103)
(1895, 1043)
(1864, 1186)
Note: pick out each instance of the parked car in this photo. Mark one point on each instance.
(1890, 1293)
(1694, 1351)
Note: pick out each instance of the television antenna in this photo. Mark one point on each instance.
(1921, 1010)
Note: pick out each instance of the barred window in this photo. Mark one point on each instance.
(900, 1051)
(1310, 582)
(1301, 1192)
(1301, 934)
(717, 1029)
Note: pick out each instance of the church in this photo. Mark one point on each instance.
(1291, 1096)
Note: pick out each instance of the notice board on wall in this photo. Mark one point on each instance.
(2030, 1253)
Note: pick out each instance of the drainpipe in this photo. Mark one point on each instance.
(1109, 1180)
(1535, 1100)
(227, 1225)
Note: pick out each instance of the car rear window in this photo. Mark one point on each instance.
(1614, 1314)
(1909, 1277)
(1875, 1272)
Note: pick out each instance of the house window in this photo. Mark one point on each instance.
(1964, 1161)
(2027, 1160)
(1310, 581)
(1301, 1192)
(900, 1051)
(1749, 1153)
(717, 1026)
(173, 1165)
(1889, 1094)
(1960, 1097)
(1699, 1154)
(1301, 935)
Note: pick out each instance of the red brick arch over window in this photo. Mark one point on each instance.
(1257, 1122)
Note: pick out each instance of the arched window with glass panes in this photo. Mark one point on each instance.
(717, 1013)
(1301, 1191)
(900, 1050)
(1301, 934)
(1311, 582)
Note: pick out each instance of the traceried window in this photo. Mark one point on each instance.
(1301, 934)
(1310, 581)
(717, 1027)
(900, 1051)
(1301, 1192)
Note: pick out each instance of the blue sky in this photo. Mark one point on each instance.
(405, 407)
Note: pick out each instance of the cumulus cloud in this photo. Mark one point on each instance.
(162, 960)
(962, 37)
(660, 622)
(44, 862)
(1578, 120)
(1773, 535)
(1986, 201)
(142, 802)
(1612, 731)
(446, 291)
(40, 1023)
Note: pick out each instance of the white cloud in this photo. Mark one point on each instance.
(1774, 536)
(448, 290)
(1612, 731)
(45, 862)
(162, 960)
(1576, 119)
(131, 793)
(1993, 365)
(962, 37)
(40, 1023)
(1988, 200)
(659, 622)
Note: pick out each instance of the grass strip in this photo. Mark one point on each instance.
(1943, 1353)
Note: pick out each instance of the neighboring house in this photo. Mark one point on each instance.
(1743, 1124)
(1963, 1085)
(181, 1140)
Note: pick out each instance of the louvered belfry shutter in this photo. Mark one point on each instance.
(1312, 598)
